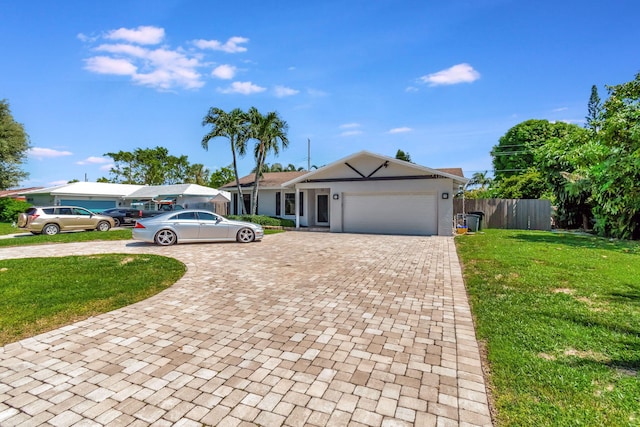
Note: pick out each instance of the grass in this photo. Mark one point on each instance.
(80, 236)
(8, 228)
(41, 294)
(559, 316)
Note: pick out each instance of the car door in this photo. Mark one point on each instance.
(83, 219)
(65, 218)
(186, 225)
(212, 227)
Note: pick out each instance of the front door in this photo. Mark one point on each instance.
(322, 214)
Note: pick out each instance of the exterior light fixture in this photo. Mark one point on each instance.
(336, 196)
(445, 195)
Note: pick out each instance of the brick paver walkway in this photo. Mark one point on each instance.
(300, 329)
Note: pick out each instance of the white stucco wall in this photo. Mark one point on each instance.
(431, 186)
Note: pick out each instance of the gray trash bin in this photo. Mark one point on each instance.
(473, 222)
(481, 215)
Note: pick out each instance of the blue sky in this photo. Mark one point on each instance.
(441, 80)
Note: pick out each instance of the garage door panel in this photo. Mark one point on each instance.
(390, 213)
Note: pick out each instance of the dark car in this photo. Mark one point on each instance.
(123, 216)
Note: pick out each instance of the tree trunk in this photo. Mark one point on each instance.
(235, 171)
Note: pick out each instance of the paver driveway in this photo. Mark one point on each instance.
(300, 329)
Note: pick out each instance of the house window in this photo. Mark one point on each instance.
(301, 209)
(247, 203)
(278, 208)
(289, 203)
(235, 203)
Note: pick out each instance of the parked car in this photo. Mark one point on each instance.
(193, 225)
(54, 219)
(123, 216)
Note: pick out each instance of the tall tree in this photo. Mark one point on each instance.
(270, 133)
(222, 176)
(562, 160)
(234, 126)
(594, 111)
(514, 153)
(616, 191)
(198, 174)
(401, 155)
(148, 166)
(14, 144)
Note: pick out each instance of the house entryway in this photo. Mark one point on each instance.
(322, 209)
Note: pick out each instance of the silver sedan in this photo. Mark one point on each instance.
(193, 225)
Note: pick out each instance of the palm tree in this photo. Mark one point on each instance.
(233, 125)
(270, 132)
(481, 179)
(198, 174)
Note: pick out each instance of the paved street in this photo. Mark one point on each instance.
(315, 329)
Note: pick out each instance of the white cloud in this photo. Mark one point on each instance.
(41, 153)
(350, 125)
(170, 68)
(243, 88)
(124, 49)
(85, 38)
(230, 46)
(316, 93)
(140, 35)
(224, 71)
(557, 110)
(411, 89)
(282, 91)
(461, 73)
(107, 65)
(107, 167)
(161, 68)
(351, 133)
(400, 130)
(93, 160)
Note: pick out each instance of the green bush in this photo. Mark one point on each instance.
(264, 220)
(10, 209)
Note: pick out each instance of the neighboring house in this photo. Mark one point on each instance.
(17, 194)
(98, 196)
(362, 193)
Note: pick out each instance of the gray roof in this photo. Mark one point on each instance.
(128, 191)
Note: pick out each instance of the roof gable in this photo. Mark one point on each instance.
(364, 165)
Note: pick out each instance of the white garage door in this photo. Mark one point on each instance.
(390, 213)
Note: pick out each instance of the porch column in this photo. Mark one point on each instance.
(297, 208)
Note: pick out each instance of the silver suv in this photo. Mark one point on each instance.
(54, 219)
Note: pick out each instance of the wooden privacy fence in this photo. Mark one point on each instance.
(517, 214)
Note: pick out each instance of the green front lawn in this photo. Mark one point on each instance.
(41, 294)
(559, 315)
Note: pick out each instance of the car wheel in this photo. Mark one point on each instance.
(116, 222)
(22, 220)
(166, 238)
(245, 235)
(51, 229)
(103, 226)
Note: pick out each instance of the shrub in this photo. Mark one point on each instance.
(264, 220)
(10, 209)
